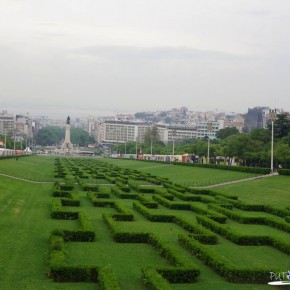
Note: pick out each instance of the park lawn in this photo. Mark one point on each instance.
(264, 257)
(274, 190)
(29, 167)
(258, 230)
(26, 226)
(183, 175)
(25, 229)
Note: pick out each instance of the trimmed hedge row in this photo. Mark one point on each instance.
(146, 201)
(153, 217)
(209, 213)
(171, 204)
(222, 266)
(283, 171)
(57, 211)
(119, 192)
(242, 239)
(174, 187)
(186, 271)
(192, 197)
(211, 193)
(124, 237)
(107, 279)
(123, 214)
(153, 280)
(236, 216)
(58, 268)
(73, 200)
(141, 189)
(201, 233)
(85, 234)
(198, 232)
(60, 193)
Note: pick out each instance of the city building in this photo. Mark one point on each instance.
(256, 118)
(112, 132)
(7, 123)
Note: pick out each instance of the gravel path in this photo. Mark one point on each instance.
(26, 180)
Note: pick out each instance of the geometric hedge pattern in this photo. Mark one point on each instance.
(114, 221)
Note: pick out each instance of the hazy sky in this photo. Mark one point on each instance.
(81, 57)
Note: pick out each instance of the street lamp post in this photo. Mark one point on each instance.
(14, 142)
(209, 129)
(272, 117)
(5, 139)
(173, 140)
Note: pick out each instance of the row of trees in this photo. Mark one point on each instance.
(251, 149)
(51, 135)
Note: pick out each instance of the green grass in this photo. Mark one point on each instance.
(33, 168)
(184, 175)
(242, 256)
(25, 227)
(274, 191)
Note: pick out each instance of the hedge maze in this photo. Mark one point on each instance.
(161, 230)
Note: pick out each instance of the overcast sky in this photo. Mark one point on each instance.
(90, 57)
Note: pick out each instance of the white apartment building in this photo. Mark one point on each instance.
(112, 131)
(7, 123)
(208, 128)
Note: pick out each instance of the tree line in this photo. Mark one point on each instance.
(51, 135)
(249, 149)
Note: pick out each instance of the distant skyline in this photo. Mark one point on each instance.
(81, 58)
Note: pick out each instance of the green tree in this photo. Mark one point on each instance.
(281, 126)
(80, 137)
(282, 153)
(262, 135)
(243, 147)
(226, 132)
(151, 135)
(49, 135)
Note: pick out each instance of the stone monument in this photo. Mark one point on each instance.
(67, 145)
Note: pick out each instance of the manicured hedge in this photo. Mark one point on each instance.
(74, 273)
(241, 218)
(151, 216)
(182, 271)
(57, 211)
(198, 232)
(153, 280)
(141, 189)
(171, 204)
(125, 194)
(86, 233)
(146, 201)
(284, 171)
(243, 239)
(222, 266)
(107, 279)
(209, 213)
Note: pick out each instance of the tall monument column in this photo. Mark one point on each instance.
(67, 145)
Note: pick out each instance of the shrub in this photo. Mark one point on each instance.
(153, 280)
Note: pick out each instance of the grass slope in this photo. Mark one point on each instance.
(184, 175)
(25, 227)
